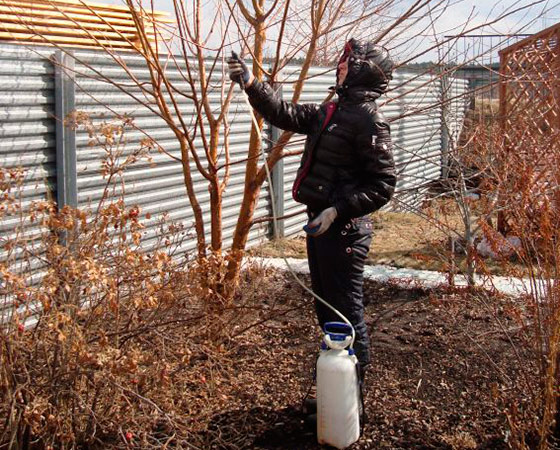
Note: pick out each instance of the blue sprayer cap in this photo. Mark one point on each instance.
(337, 330)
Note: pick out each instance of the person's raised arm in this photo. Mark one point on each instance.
(285, 115)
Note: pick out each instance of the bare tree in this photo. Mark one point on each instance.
(196, 47)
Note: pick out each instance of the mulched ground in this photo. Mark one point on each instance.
(445, 364)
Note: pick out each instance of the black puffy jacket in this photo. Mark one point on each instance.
(349, 163)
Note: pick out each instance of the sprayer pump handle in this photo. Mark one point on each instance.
(337, 328)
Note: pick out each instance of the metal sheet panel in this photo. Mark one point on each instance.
(158, 188)
(417, 138)
(316, 90)
(27, 141)
(459, 101)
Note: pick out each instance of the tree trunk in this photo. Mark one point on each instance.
(215, 193)
(250, 198)
(216, 215)
(197, 210)
(252, 187)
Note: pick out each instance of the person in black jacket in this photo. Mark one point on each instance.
(346, 173)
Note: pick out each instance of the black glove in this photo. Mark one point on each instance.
(238, 71)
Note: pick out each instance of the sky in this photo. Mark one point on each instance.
(417, 39)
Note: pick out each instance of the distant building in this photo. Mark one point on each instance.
(483, 80)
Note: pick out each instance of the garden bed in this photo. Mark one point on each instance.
(442, 370)
(445, 367)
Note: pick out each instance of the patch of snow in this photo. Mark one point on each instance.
(422, 278)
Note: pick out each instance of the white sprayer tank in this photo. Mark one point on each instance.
(338, 392)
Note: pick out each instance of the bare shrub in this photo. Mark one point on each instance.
(114, 344)
(519, 185)
(75, 331)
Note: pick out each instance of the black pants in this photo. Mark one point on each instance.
(336, 262)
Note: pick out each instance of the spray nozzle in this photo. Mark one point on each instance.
(235, 56)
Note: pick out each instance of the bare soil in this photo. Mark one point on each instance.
(445, 367)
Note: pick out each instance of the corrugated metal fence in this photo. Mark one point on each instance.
(27, 141)
(158, 187)
(62, 163)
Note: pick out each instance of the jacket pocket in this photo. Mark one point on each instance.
(314, 192)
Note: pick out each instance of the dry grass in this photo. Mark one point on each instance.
(407, 240)
(460, 441)
(403, 239)
(400, 240)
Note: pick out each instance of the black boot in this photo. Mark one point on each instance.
(309, 403)
(311, 422)
(309, 406)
